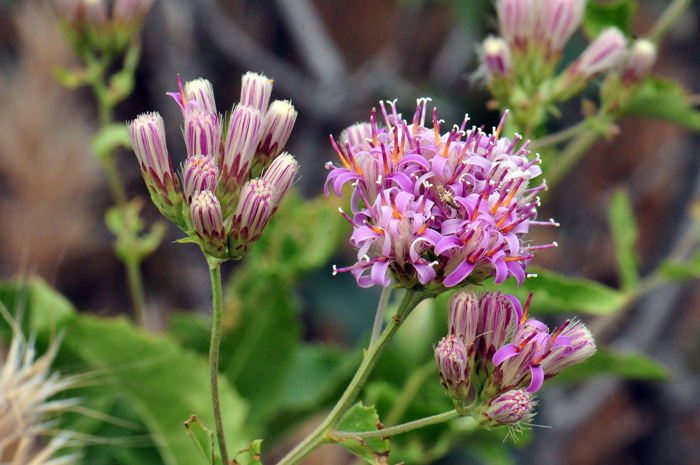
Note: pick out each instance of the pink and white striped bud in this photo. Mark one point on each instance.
(256, 90)
(582, 346)
(278, 125)
(147, 135)
(556, 21)
(131, 12)
(96, 12)
(201, 91)
(510, 408)
(208, 223)
(451, 358)
(357, 134)
(202, 134)
(496, 58)
(603, 54)
(255, 208)
(497, 323)
(517, 21)
(280, 176)
(200, 174)
(463, 317)
(242, 139)
(640, 61)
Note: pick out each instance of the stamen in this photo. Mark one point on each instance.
(500, 125)
(352, 158)
(520, 346)
(527, 306)
(517, 259)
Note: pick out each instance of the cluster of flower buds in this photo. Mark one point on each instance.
(432, 209)
(101, 24)
(221, 204)
(493, 347)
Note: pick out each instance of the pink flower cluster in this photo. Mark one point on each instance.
(431, 207)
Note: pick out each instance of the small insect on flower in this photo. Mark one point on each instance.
(447, 198)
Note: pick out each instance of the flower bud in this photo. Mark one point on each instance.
(510, 408)
(451, 357)
(255, 208)
(357, 134)
(68, 10)
(96, 12)
(131, 12)
(277, 127)
(556, 21)
(200, 174)
(463, 316)
(201, 91)
(580, 347)
(641, 59)
(256, 90)
(603, 54)
(280, 176)
(496, 59)
(147, 135)
(209, 223)
(242, 139)
(497, 323)
(202, 134)
(516, 20)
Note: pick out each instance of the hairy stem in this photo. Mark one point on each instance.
(379, 317)
(404, 428)
(217, 319)
(138, 298)
(669, 17)
(320, 435)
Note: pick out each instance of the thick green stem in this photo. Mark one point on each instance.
(217, 320)
(138, 298)
(320, 435)
(379, 316)
(394, 430)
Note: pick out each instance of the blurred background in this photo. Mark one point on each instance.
(335, 60)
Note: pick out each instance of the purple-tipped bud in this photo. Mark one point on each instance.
(510, 408)
(242, 139)
(200, 174)
(641, 59)
(147, 135)
(451, 357)
(277, 127)
(201, 91)
(496, 58)
(357, 134)
(280, 176)
(517, 20)
(556, 21)
(603, 54)
(497, 323)
(255, 208)
(131, 11)
(463, 316)
(582, 347)
(202, 134)
(256, 90)
(208, 223)
(96, 12)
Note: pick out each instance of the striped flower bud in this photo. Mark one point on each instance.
(202, 134)
(200, 174)
(277, 127)
(463, 316)
(556, 21)
(201, 91)
(641, 59)
(209, 223)
(147, 135)
(242, 139)
(498, 318)
(496, 58)
(280, 176)
(603, 54)
(255, 208)
(451, 357)
(580, 347)
(256, 90)
(96, 12)
(516, 19)
(510, 408)
(357, 134)
(131, 11)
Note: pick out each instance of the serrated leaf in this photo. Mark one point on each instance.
(623, 227)
(601, 14)
(557, 293)
(359, 419)
(665, 100)
(624, 364)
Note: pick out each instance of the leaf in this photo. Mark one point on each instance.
(602, 14)
(203, 439)
(556, 293)
(666, 100)
(608, 361)
(623, 226)
(109, 138)
(358, 419)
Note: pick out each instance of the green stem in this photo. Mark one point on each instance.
(409, 392)
(320, 435)
(133, 269)
(394, 430)
(217, 320)
(379, 317)
(557, 137)
(669, 17)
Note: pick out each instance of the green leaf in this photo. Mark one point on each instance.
(608, 361)
(358, 419)
(203, 439)
(665, 100)
(109, 138)
(675, 271)
(68, 78)
(602, 14)
(623, 226)
(556, 293)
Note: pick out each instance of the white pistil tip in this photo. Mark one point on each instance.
(335, 270)
(354, 184)
(435, 263)
(366, 257)
(531, 275)
(340, 209)
(329, 165)
(555, 244)
(554, 223)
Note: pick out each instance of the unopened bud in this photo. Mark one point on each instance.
(208, 223)
(510, 408)
(556, 21)
(255, 208)
(256, 90)
(357, 134)
(580, 347)
(96, 12)
(641, 59)
(280, 176)
(202, 134)
(451, 358)
(463, 316)
(517, 20)
(496, 58)
(603, 54)
(278, 125)
(131, 12)
(200, 174)
(201, 91)
(497, 322)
